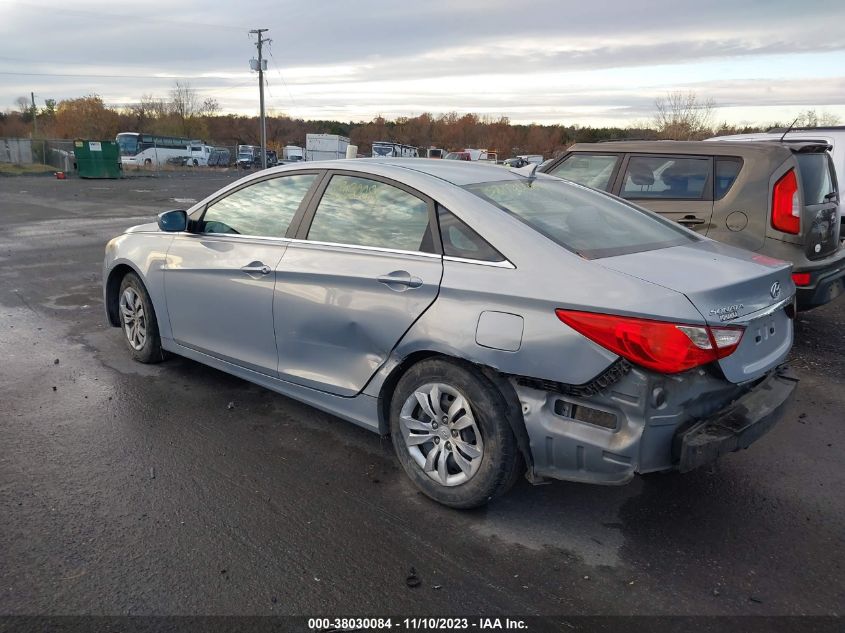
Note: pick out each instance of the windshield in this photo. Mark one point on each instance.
(586, 222)
(817, 181)
(128, 144)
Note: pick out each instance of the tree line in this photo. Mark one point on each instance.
(678, 115)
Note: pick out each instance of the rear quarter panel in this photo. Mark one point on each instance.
(547, 348)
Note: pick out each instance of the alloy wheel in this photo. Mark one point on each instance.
(134, 318)
(441, 434)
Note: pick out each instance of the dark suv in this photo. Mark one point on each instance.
(777, 199)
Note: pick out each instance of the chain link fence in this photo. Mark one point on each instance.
(58, 154)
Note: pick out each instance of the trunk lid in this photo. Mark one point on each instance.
(727, 286)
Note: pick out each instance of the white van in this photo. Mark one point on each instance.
(198, 154)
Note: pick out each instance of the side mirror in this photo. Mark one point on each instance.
(173, 221)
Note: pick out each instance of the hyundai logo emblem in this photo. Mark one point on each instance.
(775, 290)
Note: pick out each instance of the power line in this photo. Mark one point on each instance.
(279, 70)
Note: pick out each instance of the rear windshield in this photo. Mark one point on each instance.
(587, 222)
(816, 179)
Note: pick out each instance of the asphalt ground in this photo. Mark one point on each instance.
(132, 489)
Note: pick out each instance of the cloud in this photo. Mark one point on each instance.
(600, 60)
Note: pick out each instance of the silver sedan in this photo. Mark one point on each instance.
(495, 322)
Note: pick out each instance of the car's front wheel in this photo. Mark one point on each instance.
(449, 430)
(138, 321)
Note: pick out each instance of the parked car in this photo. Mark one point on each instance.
(493, 321)
(516, 161)
(248, 156)
(776, 199)
(830, 135)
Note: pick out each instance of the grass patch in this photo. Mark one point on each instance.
(8, 169)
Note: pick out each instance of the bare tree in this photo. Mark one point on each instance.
(811, 118)
(209, 107)
(23, 105)
(681, 116)
(184, 100)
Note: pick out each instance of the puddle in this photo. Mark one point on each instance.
(109, 348)
(577, 518)
(79, 297)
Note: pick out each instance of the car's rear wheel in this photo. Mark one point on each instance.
(450, 433)
(138, 321)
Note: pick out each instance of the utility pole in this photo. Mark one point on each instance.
(34, 116)
(260, 68)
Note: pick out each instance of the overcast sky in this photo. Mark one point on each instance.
(591, 62)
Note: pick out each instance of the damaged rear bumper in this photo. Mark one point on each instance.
(737, 426)
(645, 422)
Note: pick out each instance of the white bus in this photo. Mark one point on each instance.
(148, 150)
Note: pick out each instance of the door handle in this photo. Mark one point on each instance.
(400, 278)
(691, 220)
(256, 267)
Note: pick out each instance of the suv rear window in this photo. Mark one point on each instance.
(586, 222)
(669, 177)
(727, 169)
(817, 181)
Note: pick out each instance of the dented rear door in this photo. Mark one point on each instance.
(365, 266)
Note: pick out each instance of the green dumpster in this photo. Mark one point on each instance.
(97, 159)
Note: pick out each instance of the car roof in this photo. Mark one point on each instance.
(456, 172)
(709, 148)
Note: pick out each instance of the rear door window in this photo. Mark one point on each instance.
(364, 212)
(666, 177)
(817, 181)
(727, 170)
(591, 170)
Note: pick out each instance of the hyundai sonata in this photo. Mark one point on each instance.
(495, 322)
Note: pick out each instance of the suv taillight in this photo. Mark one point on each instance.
(665, 347)
(786, 206)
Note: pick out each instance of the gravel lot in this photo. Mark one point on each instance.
(130, 489)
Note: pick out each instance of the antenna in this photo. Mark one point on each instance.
(791, 125)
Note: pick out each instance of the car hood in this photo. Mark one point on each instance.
(724, 283)
(150, 227)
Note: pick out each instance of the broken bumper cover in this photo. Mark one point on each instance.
(646, 422)
(737, 426)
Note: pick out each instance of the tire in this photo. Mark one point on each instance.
(148, 162)
(138, 321)
(421, 442)
(196, 163)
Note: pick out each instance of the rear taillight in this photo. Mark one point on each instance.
(786, 206)
(665, 347)
(801, 279)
